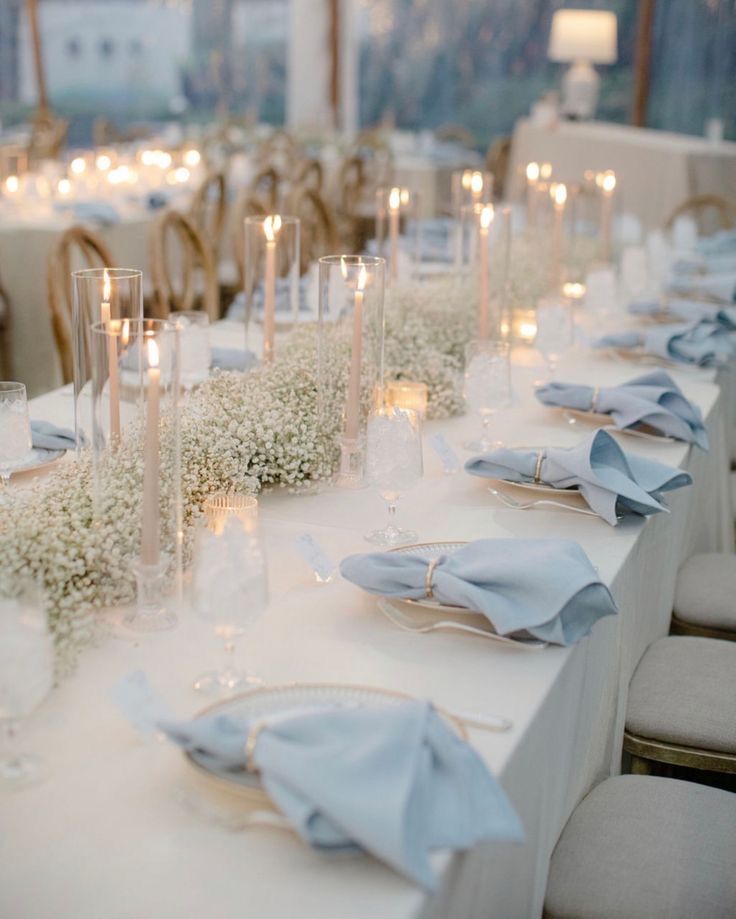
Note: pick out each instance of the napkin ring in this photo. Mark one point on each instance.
(594, 399)
(428, 591)
(538, 468)
(250, 745)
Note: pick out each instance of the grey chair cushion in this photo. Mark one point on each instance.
(640, 847)
(706, 591)
(684, 692)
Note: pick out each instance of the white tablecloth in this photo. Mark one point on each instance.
(656, 170)
(123, 828)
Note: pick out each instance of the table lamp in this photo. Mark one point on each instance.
(582, 38)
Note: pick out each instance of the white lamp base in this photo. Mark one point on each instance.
(580, 87)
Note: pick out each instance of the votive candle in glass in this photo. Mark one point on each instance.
(407, 394)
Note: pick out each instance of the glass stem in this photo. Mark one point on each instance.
(391, 525)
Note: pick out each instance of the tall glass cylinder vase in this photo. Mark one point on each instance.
(137, 503)
(112, 296)
(350, 353)
(272, 245)
(398, 232)
(486, 251)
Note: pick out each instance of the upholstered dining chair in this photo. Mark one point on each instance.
(208, 209)
(705, 597)
(77, 247)
(680, 710)
(318, 227)
(183, 269)
(642, 847)
(700, 206)
(6, 352)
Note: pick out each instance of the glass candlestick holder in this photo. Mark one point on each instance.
(398, 232)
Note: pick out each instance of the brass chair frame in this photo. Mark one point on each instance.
(196, 255)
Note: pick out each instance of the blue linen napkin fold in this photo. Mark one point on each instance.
(653, 399)
(546, 587)
(101, 212)
(611, 481)
(47, 436)
(393, 781)
(704, 343)
(232, 359)
(717, 284)
(687, 311)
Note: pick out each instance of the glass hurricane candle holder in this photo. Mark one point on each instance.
(272, 270)
(220, 507)
(136, 467)
(112, 296)
(350, 353)
(398, 232)
(486, 253)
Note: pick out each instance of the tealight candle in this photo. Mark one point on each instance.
(407, 394)
(220, 507)
(525, 327)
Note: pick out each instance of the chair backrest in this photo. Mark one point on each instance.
(267, 187)
(700, 206)
(497, 163)
(209, 209)
(318, 227)
(183, 268)
(6, 352)
(311, 175)
(47, 139)
(246, 205)
(76, 247)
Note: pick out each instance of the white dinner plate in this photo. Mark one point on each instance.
(39, 458)
(259, 704)
(599, 420)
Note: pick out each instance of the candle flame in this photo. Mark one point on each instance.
(573, 289)
(476, 183)
(545, 170)
(532, 172)
(78, 165)
(608, 181)
(271, 226)
(103, 162)
(125, 334)
(486, 216)
(362, 278)
(106, 286)
(394, 199)
(192, 158)
(404, 196)
(558, 193)
(153, 355)
(467, 180)
(64, 186)
(12, 184)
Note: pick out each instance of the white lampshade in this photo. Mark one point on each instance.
(583, 35)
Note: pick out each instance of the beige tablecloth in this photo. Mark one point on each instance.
(656, 170)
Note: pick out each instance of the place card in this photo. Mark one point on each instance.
(140, 703)
(448, 457)
(322, 566)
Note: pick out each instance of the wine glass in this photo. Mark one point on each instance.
(393, 464)
(487, 386)
(554, 331)
(230, 585)
(26, 676)
(15, 428)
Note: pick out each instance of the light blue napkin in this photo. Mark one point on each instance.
(611, 482)
(703, 343)
(653, 399)
(687, 311)
(232, 359)
(546, 587)
(101, 212)
(393, 781)
(720, 284)
(47, 436)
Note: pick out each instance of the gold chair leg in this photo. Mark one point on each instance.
(640, 766)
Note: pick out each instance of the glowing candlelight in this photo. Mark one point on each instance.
(103, 162)
(271, 228)
(558, 193)
(352, 409)
(573, 290)
(485, 221)
(220, 507)
(394, 206)
(545, 171)
(532, 177)
(150, 532)
(192, 158)
(12, 184)
(525, 327)
(64, 187)
(407, 394)
(607, 184)
(476, 186)
(78, 165)
(111, 331)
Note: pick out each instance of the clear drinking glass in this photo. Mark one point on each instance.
(393, 465)
(195, 354)
(230, 585)
(15, 428)
(487, 387)
(26, 676)
(554, 331)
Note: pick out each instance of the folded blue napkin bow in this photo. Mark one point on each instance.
(611, 481)
(653, 399)
(546, 587)
(47, 436)
(394, 781)
(703, 343)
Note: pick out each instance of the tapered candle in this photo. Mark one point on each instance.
(532, 177)
(271, 227)
(112, 355)
(352, 409)
(558, 193)
(476, 186)
(394, 206)
(150, 533)
(607, 185)
(485, 220)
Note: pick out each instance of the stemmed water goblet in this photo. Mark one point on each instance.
(15, 428)
(26, 677)
(554, 331)
(393, 465)
(487, 386)
(230, 590)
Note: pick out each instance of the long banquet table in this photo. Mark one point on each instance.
(125, 828)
